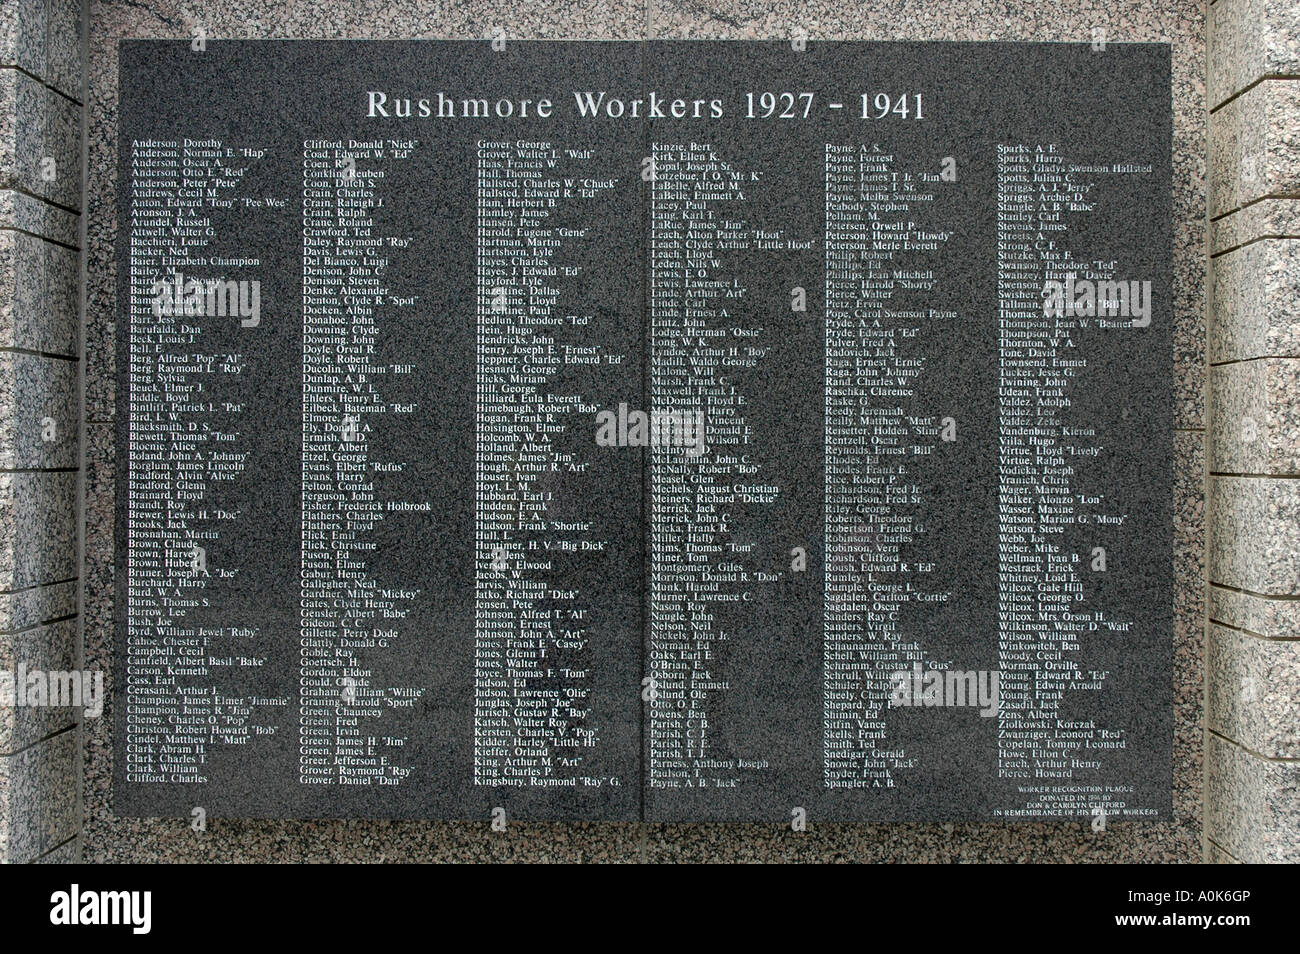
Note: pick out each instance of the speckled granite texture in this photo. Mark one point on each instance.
(1182, 24)
(41, 140)
(1253, 764)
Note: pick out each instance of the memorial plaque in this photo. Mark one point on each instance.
(677, 431)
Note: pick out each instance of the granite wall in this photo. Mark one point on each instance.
(1244, 742)
(42, 92)
(1252, 754)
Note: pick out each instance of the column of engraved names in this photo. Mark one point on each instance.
(704, 580)
(185, 457)
(1053, 756)
(877, 441)
(349, 618)
(534, 630)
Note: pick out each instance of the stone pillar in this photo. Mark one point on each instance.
(1252, 811)
(41, 136)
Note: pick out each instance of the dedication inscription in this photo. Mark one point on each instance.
(669, 431)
